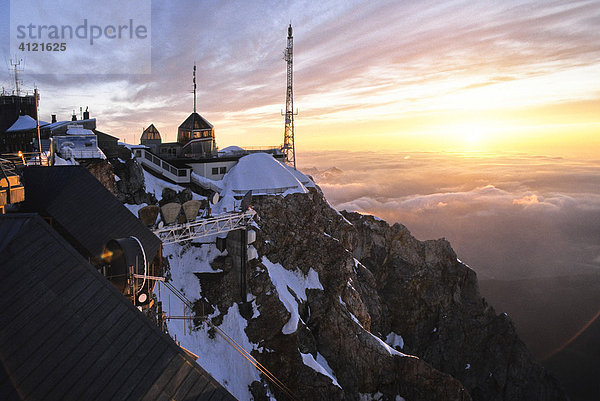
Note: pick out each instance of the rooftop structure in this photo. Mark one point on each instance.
(67, 333)
(82, 210)
(150, 134)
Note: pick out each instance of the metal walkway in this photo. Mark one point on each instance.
(222, 223)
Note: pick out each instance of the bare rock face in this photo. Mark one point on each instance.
(102, 170)
(432, 300)
(378, 282)
(130, 186)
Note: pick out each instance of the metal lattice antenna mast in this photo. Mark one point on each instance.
(288, 137)
(194, 87)
(16, 72)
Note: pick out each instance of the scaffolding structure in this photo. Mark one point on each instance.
(222, 223)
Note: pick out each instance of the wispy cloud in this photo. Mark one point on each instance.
(353, 59)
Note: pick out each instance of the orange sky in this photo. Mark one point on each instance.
(385, 75)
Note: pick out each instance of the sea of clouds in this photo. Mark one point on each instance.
(508, 216)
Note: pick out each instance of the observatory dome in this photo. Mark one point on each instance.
(262, 174)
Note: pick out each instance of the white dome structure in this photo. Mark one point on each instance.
(263, 175)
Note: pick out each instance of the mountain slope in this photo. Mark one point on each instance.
(378, 283)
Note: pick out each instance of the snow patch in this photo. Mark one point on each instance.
(59, 161)
(135, 208)
(286, 280)
(370, 397)
(389, 349)
(220, 359)
(394, 340)
(215, 355)
(192, 259)
(315, 365)
(155, 185)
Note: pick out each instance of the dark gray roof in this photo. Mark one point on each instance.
(82, 209)
(195, 121)
(67, 334)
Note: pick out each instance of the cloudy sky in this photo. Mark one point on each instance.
(384, 75)
(383, 83)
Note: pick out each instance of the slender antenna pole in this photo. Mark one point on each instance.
(37, 121)
(194, 87)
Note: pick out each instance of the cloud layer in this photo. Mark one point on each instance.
(510, 216)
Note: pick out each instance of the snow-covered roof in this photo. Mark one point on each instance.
(262, 174)
(303, 178)
(79, 131)
(25, 123)
(231, 150)
(59, 124)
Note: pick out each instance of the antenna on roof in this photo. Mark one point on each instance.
(16, 73)
(289, 148)
(194, 86)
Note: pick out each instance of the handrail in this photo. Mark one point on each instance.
(146, 156)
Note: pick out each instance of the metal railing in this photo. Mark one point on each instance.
(222, 223)
(178, 175)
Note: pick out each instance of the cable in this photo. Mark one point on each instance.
(236, 346)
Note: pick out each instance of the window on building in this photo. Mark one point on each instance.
(215, 170)
(222, 170)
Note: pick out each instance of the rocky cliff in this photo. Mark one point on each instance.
(344, 306)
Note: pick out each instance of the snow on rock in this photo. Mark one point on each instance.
(215, 355)
(192, 259)
(394, 340)
(262, 174)
(134, 208)
(286, 280)
(377, 397)
(370, 397)
(378, 340)
(219, 358)
(226, 204)
(317, 366)
(155, 185)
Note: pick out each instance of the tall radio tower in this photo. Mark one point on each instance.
(288, 137)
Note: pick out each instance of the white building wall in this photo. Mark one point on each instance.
(206, 169)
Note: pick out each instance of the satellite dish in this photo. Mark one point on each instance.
(246, 201)
(214, 198)
(125, 257)
(190, 209)
(170, 211)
